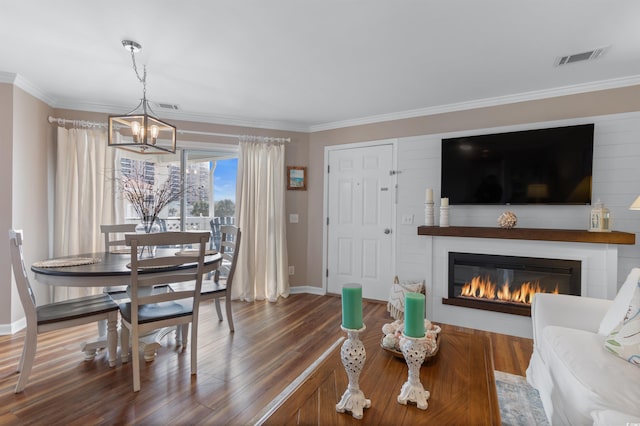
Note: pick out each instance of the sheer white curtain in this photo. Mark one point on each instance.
(84, 195)
(261, 272)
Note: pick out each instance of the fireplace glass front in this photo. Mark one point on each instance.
(508, 283)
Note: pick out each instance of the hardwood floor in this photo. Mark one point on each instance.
(238, 373)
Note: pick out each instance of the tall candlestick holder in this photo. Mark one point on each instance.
(444, 216)
(428, 213)
(414, 350)
(353, 357)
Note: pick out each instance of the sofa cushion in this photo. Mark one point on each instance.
(624, 340)
(588, 377)
(618, 309)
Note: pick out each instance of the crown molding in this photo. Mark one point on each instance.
(483, 103)
(184, 116)
(24, 84)
(238, 121)
(7, 77)
(18, 81)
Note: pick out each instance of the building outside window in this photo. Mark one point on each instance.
(211, 179)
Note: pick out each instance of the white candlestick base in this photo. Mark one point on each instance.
(428, 214)
(444, 217)
(414, 350)
(353, 357)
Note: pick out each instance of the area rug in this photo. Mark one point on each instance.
(520, 403)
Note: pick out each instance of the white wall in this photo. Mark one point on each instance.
(616, 182)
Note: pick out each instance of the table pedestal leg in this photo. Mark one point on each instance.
(90, 348)
(150, 343)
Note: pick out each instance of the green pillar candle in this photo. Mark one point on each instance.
(352, 306)
(414, 314)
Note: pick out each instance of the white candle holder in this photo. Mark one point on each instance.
(414, 349)
(428, 213)
(353, 357)
(444, 217)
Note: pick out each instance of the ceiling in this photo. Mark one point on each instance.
(310, 65)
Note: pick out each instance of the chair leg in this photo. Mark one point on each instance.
(218, 309)
(23, 356)
(184, 332)
(135, 360)
(112, 337)
(124, 342)
(227, 303)
(194, 347)
(178, 336)
(26, 361)
(102, 327)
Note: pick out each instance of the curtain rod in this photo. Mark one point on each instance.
(195, 132)
(80, 123)
(84, 123)
(231, 135)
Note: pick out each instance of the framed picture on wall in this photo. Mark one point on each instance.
(297, 178)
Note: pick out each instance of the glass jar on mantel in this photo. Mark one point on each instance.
(147, 226)
(600, 218)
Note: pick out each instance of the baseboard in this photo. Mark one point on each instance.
(307, 289)
(14, 327)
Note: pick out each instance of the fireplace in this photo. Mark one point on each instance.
(507, 283)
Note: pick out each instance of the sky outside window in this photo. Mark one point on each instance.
(225, 179)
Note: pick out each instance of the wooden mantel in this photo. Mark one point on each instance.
(565, 235)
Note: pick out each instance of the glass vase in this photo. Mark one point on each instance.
(147, 227)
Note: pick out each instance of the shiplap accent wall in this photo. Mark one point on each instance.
(616, 182)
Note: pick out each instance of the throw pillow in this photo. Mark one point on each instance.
(624, 340)
(620, 304)
(395, 305)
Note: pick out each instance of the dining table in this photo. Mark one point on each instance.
(111, 269)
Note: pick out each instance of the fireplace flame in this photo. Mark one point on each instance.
(484, 288)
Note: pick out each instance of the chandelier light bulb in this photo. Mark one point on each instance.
(155, 131)
(135, 129)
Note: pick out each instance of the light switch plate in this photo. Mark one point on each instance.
(293, 218)
(407, 219)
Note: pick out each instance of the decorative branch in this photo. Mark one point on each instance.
(148, 199)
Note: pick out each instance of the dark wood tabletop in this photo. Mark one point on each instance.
(111, 269)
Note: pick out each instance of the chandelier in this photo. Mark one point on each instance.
(138, 131)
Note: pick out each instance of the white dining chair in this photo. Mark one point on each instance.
(114, 243)
(148, 310)
(112, 233)
(56, 316)
(220, 286)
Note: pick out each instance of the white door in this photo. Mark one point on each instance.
(360, 207)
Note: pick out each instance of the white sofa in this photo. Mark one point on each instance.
(580, 382)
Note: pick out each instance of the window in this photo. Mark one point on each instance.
(210, 179)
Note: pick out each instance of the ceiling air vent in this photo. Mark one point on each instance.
(578, 57)
(164, 105)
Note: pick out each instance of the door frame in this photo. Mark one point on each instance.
(325, 202)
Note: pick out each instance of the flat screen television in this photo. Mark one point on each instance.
(543, 166)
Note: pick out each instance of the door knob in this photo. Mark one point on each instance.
(387, 231)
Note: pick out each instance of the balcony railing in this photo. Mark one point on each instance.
(196, 223)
